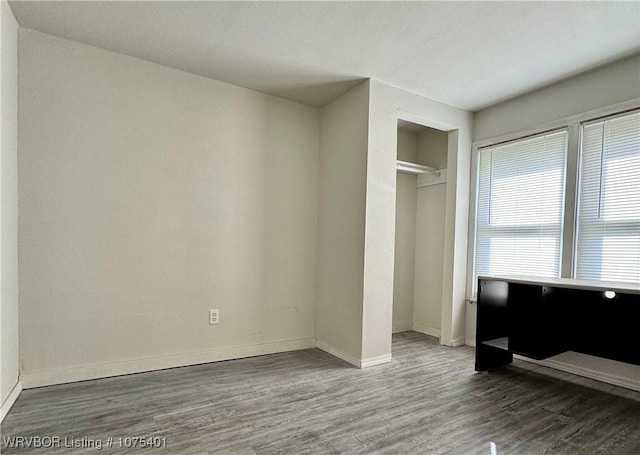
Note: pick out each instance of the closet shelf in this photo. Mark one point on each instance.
(415, 169)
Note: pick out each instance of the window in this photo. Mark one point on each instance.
(563, 203)
(608, 234)
(520, 200)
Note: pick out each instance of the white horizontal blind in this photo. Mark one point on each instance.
(608, 243)
(520, 207)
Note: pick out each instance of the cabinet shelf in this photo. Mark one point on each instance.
(500, 343)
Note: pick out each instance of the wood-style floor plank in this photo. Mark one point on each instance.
(427, 401)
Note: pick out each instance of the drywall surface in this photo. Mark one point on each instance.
(343, 161)
(432, 148)
(429, 257)
(407, 145)
(616, 83)
(9, 195)
(149, 196)
(405, 244)
(387, 104)
(595, 89)
(430, 221)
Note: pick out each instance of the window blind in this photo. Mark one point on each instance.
(520, 207)
(608, 226)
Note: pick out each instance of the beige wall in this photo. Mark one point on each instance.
(343, 158)
(432, 148)
(407, 148)
(9, 355)
(430, 222)
(405, 244)
(148, 196)
(595, 89)
(429, 257)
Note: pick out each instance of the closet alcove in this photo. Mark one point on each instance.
(420, 221)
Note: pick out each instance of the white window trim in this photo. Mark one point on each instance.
(573, 126)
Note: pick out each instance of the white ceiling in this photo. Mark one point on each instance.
(466, 54)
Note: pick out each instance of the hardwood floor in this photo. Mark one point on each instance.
(427, 401)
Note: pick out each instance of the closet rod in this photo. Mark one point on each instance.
(413, 168)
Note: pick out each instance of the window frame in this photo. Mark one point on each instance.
(524, 229)
(573, 125)
(621, 225)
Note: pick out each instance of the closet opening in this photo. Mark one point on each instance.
(420, 228)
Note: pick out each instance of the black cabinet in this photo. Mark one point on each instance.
(492, 341)
(542, 319)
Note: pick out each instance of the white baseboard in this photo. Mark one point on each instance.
(11, 399)
(458, 342)
(83, 373)
(424, 328)
(334, 352)
(454, 343)
(373, 361)
(434, 332)
(598, 375)
(402, 326)
(364, 363)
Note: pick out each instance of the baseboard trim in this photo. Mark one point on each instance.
(373, 361)
(458, 342)
(11, 399)
(334, 352)
(402, 326)
(424, 328)
(455, 342)
(364, 363)
(106, 370)
(585, 372)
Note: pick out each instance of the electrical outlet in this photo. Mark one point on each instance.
(214, 316)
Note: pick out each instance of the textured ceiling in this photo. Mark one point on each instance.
(465, 54)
